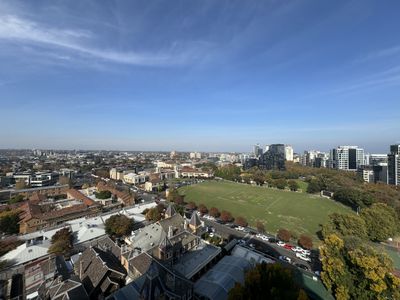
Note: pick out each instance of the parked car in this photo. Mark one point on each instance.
(288, 246)
(264, 238)
(297, 249)
(301, 266)
(280, 244)
(303, 257)
(285, 258)
(305, 252)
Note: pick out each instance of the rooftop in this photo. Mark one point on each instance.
(195, 259)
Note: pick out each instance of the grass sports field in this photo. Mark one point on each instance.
(298, 212)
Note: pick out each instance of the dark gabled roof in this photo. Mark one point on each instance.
(195, 220)
(176, 222)
(108, 245)
(170, 210)
(141, 262)
(68, 289)
(94, 264)
(109, 260)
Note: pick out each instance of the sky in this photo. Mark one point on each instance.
(199, 75)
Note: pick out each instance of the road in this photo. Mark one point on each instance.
(268, 248)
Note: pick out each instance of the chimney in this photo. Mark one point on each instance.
(170, 232)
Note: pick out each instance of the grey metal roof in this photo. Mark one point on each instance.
(217, 282)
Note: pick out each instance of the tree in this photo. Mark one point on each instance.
(313, 187)
(293, 185)
(280, 183)
(119, 225)
(345, 225)
(284, 235)
(16, 199)
(305, 241)
(240, 221)
(174, 196)
(260, 227)
(259, 177)
(202, 209)
(354, 270)
(268, 281)
(214, 212)
(381, 221)
(62, 242)
(9, 222)
(103, 195)
(226, 216)
(153, 214)
(229, 172)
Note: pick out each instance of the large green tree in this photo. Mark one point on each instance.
(268, 281)
(345, 225)
(9, 222)
(62, 242)
(119, 225)
(381, 221)
(355, 270)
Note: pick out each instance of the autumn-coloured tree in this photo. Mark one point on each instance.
(305, 241)
(214, 212)
(260, 227)
(284, 235)
(240, 221)
(191, 206)
(352, 269)
(202, 209)
(226, 216)
(153, 214)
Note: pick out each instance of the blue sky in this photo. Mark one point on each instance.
(199, 75)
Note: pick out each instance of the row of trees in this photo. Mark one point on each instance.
(303, 241)
(376, 223)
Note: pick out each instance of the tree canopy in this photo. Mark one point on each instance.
(268, 281)
(62, 242)
(381, 221)
(119, 225)
(354, 270)
(9, 222)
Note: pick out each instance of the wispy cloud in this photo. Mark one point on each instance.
(14, 28)
(379, 54)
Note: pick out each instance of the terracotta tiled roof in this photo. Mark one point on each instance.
(79, 196)
(125, 197)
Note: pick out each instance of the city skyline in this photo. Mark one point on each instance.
(199, 76)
